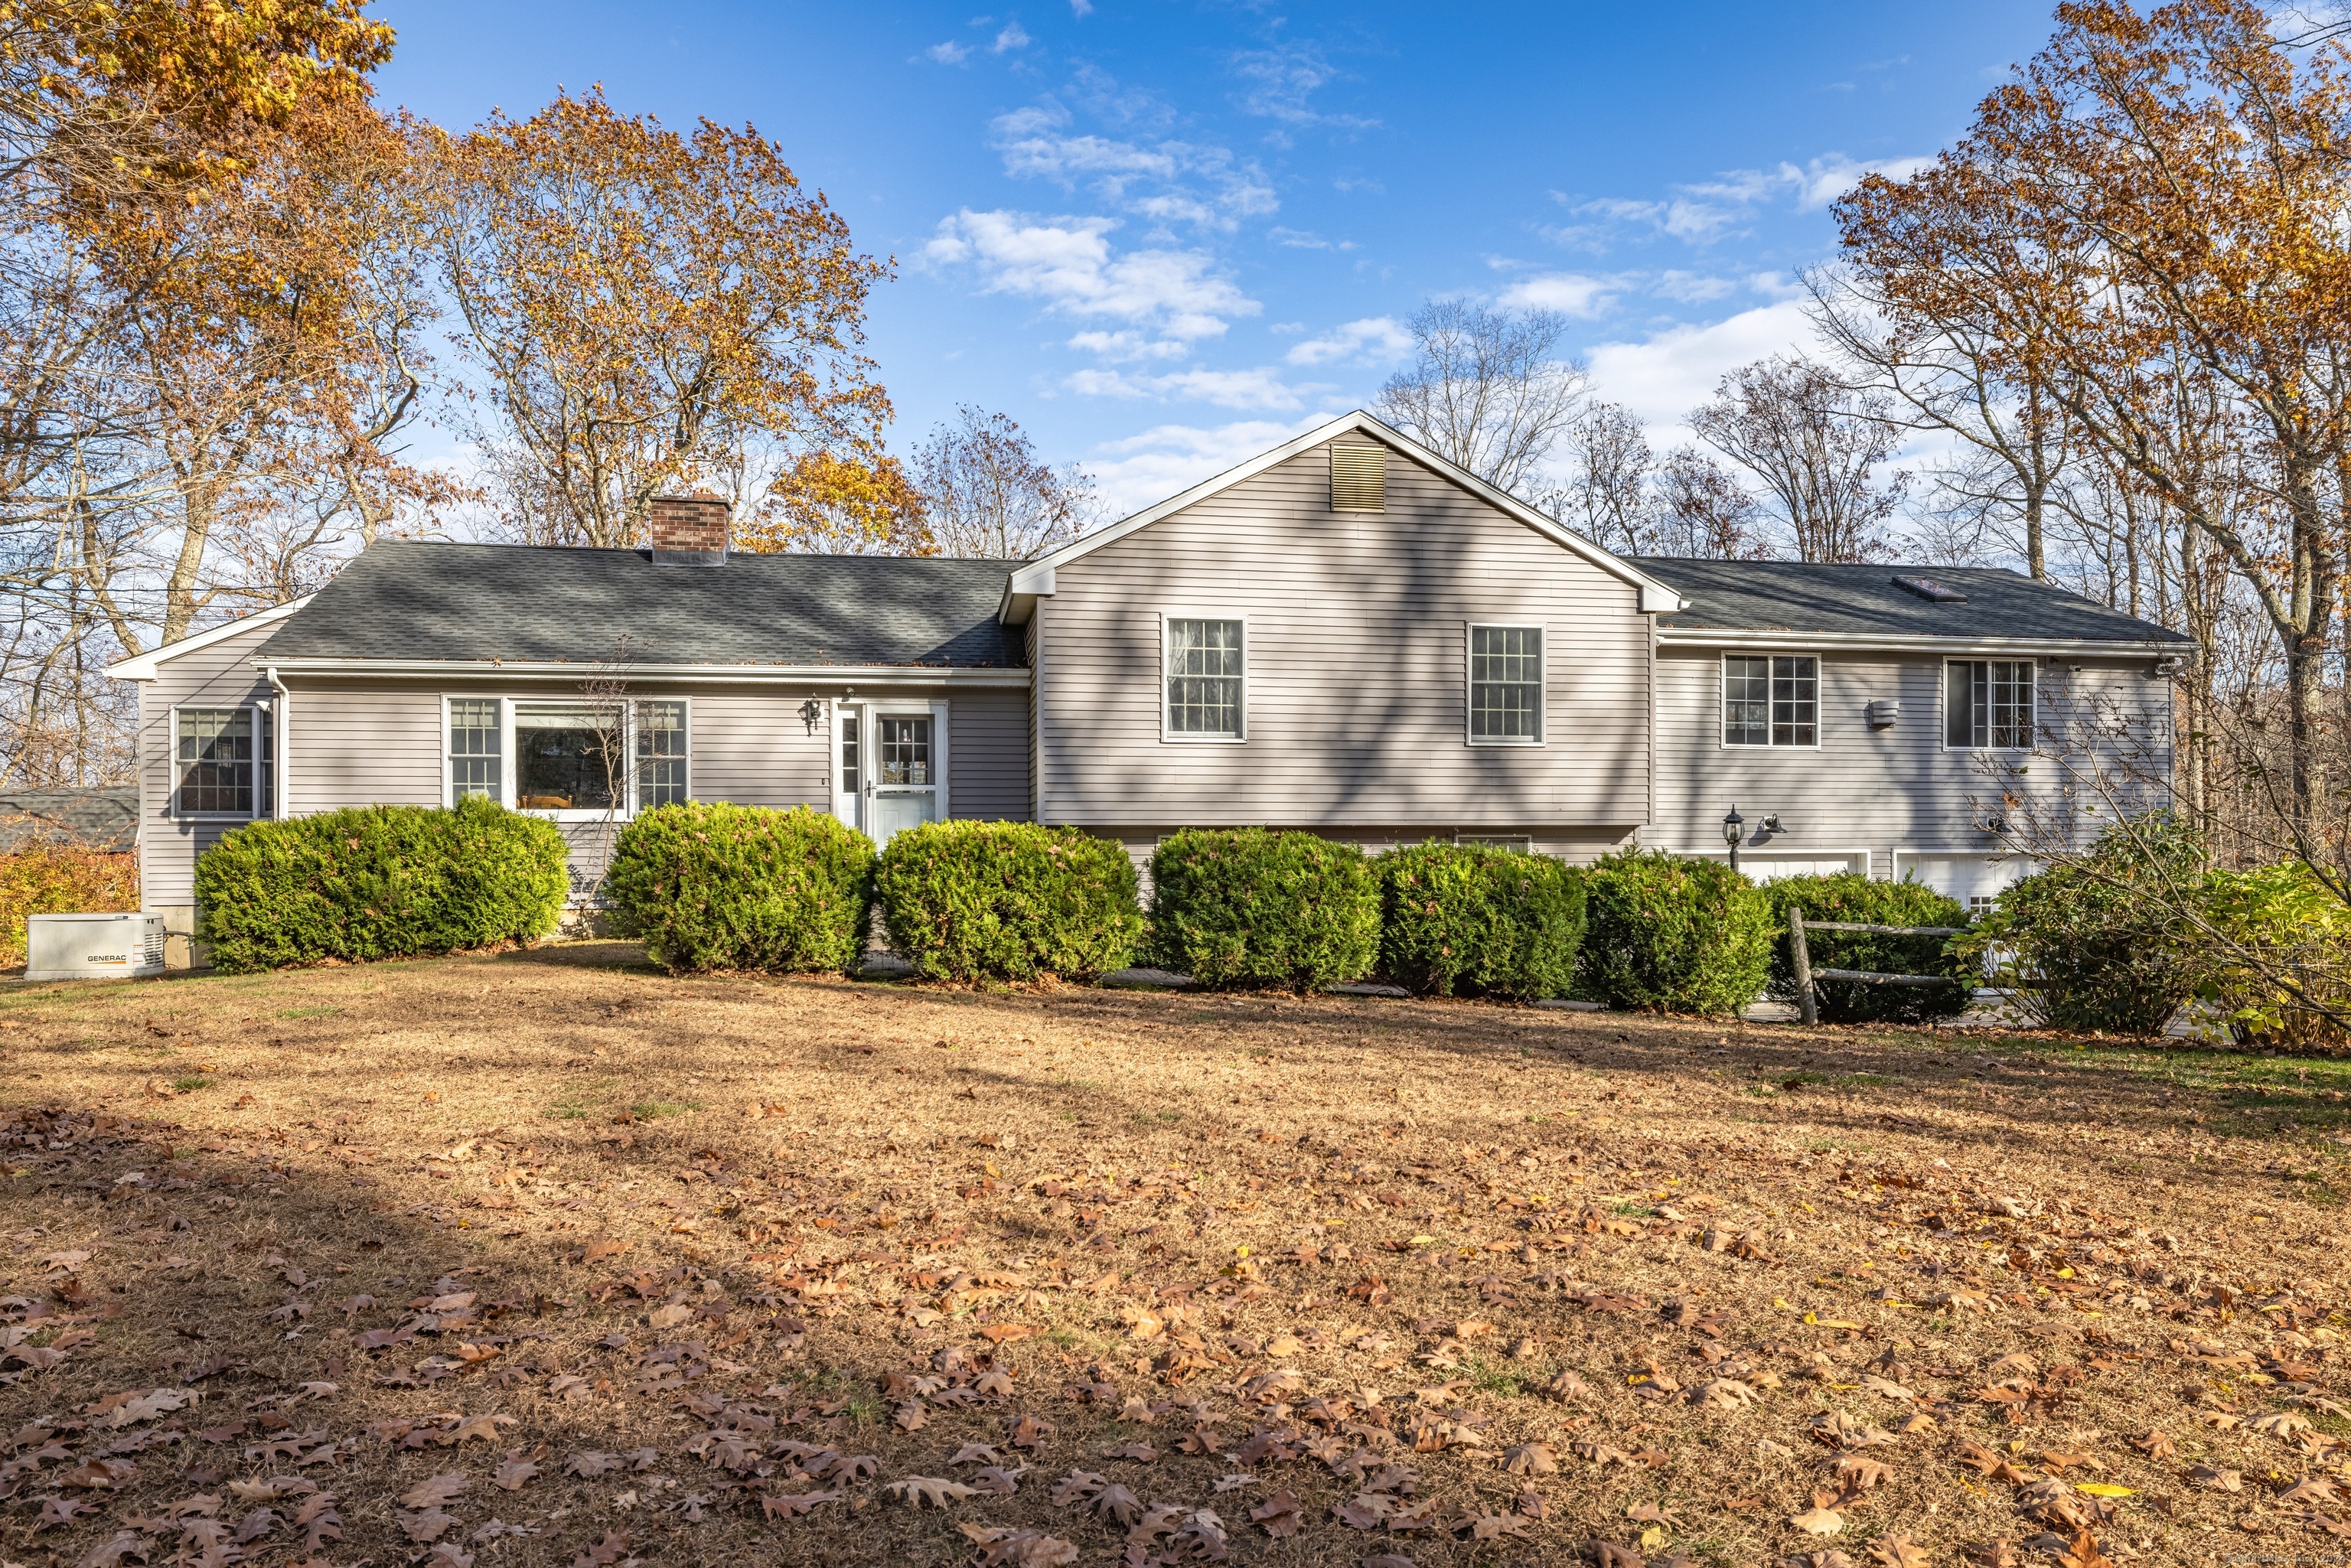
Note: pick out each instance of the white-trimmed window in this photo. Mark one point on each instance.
(1506, 685)
(576, 760)
(221, 762)
(1206, 682)
(1988, 704)
(476, 748)
(661, 755)
(1771, 700)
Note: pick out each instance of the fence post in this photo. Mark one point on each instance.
(1803, 960)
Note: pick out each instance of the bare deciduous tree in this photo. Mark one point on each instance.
(1816, 446)
(1605, 493)
(1702, 510)
(986, 493)
(1486, 389)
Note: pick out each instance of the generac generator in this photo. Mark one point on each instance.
(92, 946)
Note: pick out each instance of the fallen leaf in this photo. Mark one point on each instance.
(1279, 1514)
(1818, 1521)
(938, 1492)
(433, 1491)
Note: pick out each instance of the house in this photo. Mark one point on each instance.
(1346, 633)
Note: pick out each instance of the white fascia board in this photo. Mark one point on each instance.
(1873, 642)
(1655, 596)
(1021, 590)
(755, 674)
(142, 666)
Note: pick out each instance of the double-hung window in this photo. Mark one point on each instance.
(1772, 700)
(574, 758)
(221, 762)
(477, 744)
(1988, 704)
(661, 755)
(1506, 685)
(1205, 665)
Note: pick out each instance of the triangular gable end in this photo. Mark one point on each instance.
(1036, 579)
(143, 666)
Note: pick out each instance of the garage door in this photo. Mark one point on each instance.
(1974, 879)
(1768, 866)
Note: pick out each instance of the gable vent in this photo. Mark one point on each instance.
(1927, 588)
(1359, 476)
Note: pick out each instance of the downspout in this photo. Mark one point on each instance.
(280, 741)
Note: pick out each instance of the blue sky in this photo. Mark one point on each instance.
(1164, 235)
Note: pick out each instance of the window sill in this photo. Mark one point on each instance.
(1170, 739)
(1506, 745)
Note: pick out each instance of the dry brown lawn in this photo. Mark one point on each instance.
(548, 1258)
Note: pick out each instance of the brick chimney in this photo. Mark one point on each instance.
(691, 529)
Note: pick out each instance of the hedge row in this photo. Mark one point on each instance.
(722, 887)
(61, 879)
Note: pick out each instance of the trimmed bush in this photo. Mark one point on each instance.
(1007, 901)
(58, 879)
(1491, 922)
(380, 882)
(1849, 896)
(2102, 945)
(714, 886)
(1248, 907)
(1670, 934)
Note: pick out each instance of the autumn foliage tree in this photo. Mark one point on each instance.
(2150, 219)
(645, 310)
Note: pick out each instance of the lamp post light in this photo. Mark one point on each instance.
(1734, 828)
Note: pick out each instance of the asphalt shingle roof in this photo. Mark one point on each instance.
(418, 600)
(1863, 601)
(102, 818)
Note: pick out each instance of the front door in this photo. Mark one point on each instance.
(901, 787)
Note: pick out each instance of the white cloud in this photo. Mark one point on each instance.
(1570, 293)
(1305, 239)
(1122, 346)
(1702, 211)
(1258, 389)
(1169, 180)
(1081, 9)
(1280, 80)
(1665, 376)
(1012, 37)
(1373, 340)
(1696, 288)
(1068, 264)
(1169, 459)
(1823, 180)
(948, 54)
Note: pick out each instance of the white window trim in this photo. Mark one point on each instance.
(1856, 857)
(259, 711)
(1470, 630)
(1193, 738)
(1722, 699)
(509, 770)
(1943, 707)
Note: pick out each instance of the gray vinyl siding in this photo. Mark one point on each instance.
(219, 675)
(1883, 791)
(1356, 676)
(362, 743)
(988, 755)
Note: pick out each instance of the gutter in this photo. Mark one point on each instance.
(1004, 676)
(1868, 642)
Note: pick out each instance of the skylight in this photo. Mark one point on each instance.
(1927, 588)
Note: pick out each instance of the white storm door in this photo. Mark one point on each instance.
(904, 748)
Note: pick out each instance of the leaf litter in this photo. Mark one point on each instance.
(1400, 1279)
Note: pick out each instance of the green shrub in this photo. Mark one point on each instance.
(1007, 901)
(2280, 979)
(1851, 896)
(1248, 907)
(2102, 944)
(1671, 935)
(380, 882)
(718, 886)
(1492, 922)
